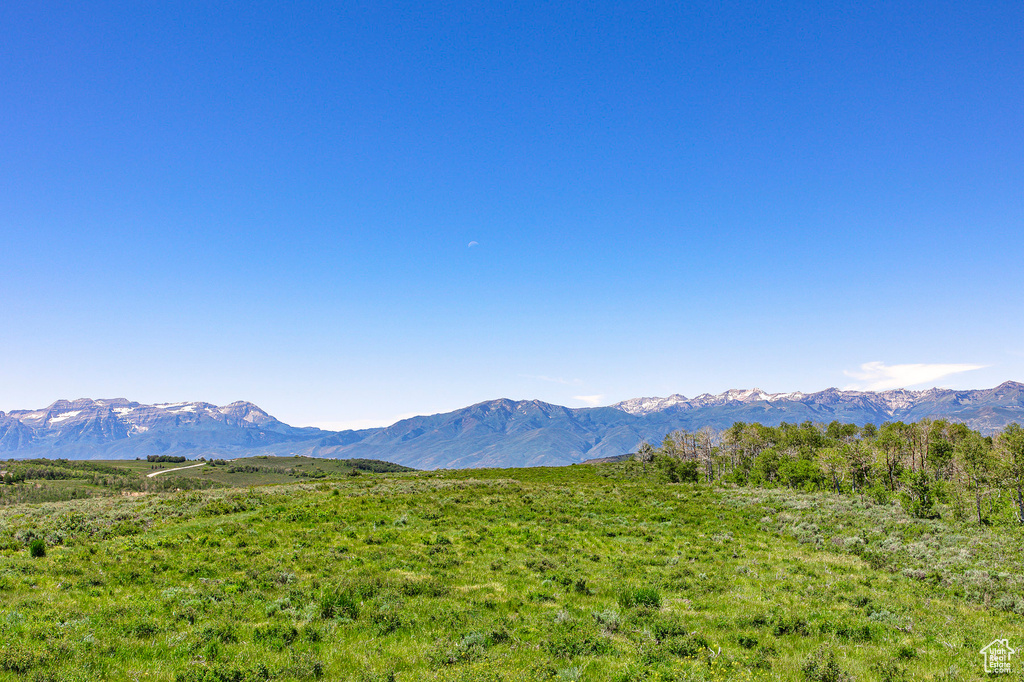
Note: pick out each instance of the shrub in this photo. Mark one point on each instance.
(224, 673)
(876, 560)
(339, 604)
(686, 646)
(664, 626)
(747, 641)
(905, 653)
(791, 625)
(470, 648)
(37, 548)
(890, 671)
(919, 496)
(822, 666)
(276, 635)
(688, 472)
(879, 494)
(388, 617)
(845, 629)
(608, 620)
(572, 638)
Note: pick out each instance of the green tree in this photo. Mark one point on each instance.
(974, 457)
(766, 467)
(892, 445)
(919, 496)
(858, 462)
(1011, 446)
(940, 456)
(800, 473)
(834, 463)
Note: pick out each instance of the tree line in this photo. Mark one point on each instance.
(927, 465)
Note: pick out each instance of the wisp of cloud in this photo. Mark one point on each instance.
(877, 376)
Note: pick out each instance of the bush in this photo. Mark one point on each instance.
(470, 648)
(822, 666)
(889, 671)
(37, 549)
(688, 472)
(747, 641)
(276, 635)
(662, 626)
(791, 625)
(572, 638)
(847, 630)
(608, 620)
(224, 673)
(919, 498)
(686, 646)
(879, 494)
(340, 604)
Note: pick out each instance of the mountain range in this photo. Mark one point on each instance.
(499, 433)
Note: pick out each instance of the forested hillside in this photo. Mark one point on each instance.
(925, 465)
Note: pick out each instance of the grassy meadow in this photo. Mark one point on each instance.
(589, 572)
(53, 480)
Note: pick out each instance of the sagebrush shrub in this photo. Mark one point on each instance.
(822, 666)
(889, 671)
(470, 648)
(608, 620)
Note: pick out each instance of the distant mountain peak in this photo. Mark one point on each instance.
(500, 432)
(87, 427)
(890, 401)
(642, 406)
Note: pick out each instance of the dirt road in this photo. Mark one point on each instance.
(164, 471)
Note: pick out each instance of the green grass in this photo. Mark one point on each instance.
(575, 573)
(62, 480)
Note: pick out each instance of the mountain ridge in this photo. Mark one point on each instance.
(893, 399)
(492, 433)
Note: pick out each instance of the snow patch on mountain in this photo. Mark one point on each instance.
(890, 401)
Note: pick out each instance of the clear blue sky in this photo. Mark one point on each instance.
(275, 202)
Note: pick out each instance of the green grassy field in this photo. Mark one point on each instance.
(59, 480)
(576, 573)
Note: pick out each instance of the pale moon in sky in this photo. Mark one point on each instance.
(472, 244)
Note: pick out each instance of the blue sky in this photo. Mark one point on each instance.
(276, 203)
